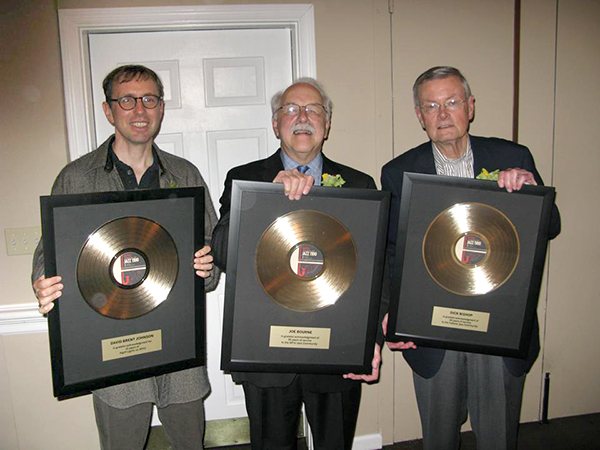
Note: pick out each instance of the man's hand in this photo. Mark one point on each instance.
(395, 345)
(514, 179)
(203, 262)
(295, 184)
(375, 363)
(46, 291)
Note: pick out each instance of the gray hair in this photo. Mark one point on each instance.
(437, 73)
(276, 99)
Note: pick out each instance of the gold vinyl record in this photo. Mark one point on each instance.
(127, 267)
(471, 249)
(306, 260)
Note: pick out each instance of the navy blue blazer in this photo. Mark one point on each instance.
(491, 153)
(266, 170)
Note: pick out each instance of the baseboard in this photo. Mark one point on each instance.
(367, 442)
(22, 318)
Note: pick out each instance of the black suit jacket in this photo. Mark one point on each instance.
(489, 153)
(266, 170)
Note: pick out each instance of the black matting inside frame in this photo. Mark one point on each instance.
(77, 331)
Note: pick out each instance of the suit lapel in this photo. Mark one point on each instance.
(331, 167)
(424, 163)
(482, 157)
(271, 166)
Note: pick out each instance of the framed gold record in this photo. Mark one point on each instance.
(468, 264)
(303, 279)
(131, 306)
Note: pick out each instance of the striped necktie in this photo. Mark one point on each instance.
(302, 169)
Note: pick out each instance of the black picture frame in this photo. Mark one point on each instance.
(251, 315)
(77, 331)
(507, 313)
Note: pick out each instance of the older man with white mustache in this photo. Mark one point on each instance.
(301, 120)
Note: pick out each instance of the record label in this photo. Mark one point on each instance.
(470, 249)
(129, 268)
(306, 261)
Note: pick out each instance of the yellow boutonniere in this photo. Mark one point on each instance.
(485, 175)
(332, 180)
(172, 184)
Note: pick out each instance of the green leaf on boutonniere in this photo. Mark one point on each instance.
(491, 176)
(332, 180)
(172, 184)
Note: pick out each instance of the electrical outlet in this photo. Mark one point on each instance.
(22, 241)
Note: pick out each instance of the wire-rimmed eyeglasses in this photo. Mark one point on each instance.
(311, 110)
(434, 107)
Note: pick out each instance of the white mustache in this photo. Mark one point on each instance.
(303, 127)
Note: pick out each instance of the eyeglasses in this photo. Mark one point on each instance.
(450, 105)
(128, 102)
(311, 110)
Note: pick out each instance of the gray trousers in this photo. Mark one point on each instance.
(478, 384)
(127, 429)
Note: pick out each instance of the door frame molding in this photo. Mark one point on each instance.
(75, 25)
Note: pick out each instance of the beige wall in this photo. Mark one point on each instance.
(424, 37)
(353, 61)
(573, 308)
(33, 150)
(535, 130)
(32, 127)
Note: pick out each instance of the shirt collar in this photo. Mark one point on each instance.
(439, 156)
(111, 157)
(315, 166)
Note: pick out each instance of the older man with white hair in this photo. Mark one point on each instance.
(301, 120)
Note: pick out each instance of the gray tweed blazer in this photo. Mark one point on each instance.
(90, 173)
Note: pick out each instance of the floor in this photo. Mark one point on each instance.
(569, 433)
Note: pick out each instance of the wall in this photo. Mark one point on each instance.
(571, 356)
(559, 59)
(32, 126)
(538, 20)
(33, 140)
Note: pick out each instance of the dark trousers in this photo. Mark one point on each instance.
(274, 414)
(478, 385)
(127, 429)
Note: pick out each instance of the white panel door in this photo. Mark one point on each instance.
(218, 85)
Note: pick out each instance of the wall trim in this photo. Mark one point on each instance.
(367, 442)
(76, 24)
(22, 318)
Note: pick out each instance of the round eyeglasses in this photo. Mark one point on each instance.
(311, 110)
(434, 107)
(128, 102)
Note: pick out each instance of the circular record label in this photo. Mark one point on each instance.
(470, 249)
(129, 268)
(306, 261)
